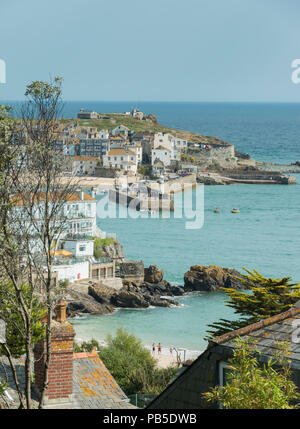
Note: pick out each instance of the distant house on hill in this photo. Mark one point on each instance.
(137, 114)
(120, 130)
(210, 368)
(87, 114)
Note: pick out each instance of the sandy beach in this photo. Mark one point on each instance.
(166, 358)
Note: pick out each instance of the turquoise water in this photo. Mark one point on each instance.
(265, 235)
(183, 326)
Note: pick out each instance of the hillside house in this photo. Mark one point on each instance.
(120, 130)
(84, 165)
(87, 114)
(122, 158)
(162, 154)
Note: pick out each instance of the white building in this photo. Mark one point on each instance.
(162, 154)
(175, 145)
(103, 134)
(76, 271)
(80, 210)
(84, 165)
(120, 130)
(137, 148)
(122, 158)
(79, 247)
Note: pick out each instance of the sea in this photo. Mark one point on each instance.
(264, 236)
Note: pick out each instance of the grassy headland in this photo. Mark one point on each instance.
(111, 120)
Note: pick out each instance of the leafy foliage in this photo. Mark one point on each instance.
(131, 364)
(252, 385)
(145, 170)
(15, 328)
(268, 297)
(99, 243)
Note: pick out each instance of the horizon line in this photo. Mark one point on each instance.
(169, 101)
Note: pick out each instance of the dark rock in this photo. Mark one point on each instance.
(100, 293)
(128, 299)
(153, 274)
(82, 303)
(211, 278)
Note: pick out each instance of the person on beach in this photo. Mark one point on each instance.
(159, 348)
(153, 348)
(171, 351)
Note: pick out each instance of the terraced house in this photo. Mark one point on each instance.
(122, 158)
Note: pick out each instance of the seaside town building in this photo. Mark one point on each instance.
(162, 154)
(76, 380)
(74, 250)
(122, 158)
(84, 165)
(137, 114)
(87, 114)
(120, 130)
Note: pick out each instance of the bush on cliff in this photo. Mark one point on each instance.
(99, 243)
(268, 297)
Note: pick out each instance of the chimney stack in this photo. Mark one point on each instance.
(60, 373)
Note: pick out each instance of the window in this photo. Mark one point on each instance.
(223, 375)
(81, 248)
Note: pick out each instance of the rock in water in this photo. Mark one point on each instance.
(127, 299)
(211, 279)
(153, 274)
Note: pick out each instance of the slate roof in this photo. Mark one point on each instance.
(267, 333)
(93, 385)
(186, 389)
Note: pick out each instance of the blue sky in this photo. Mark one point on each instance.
(158, 50)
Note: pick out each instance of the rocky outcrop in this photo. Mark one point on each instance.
(84, 303)
(153, 274)
(135, 295)
(211, 278)
(127, 299)
(113, 250)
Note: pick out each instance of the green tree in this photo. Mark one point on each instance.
(131, 364)
(265, 298)
(252, 385)
(128, 361)
(15, 328)
(145, 170)
(30, 178)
